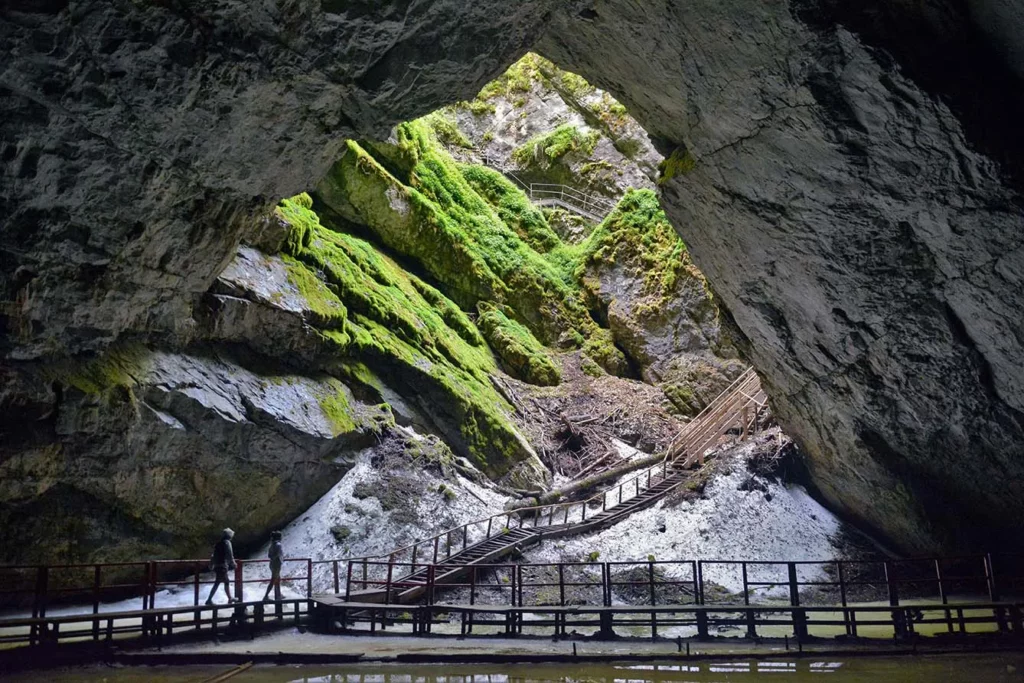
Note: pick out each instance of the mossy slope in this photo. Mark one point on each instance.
(403, 329)
(475, 234)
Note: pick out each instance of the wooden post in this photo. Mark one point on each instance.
(447, 544)
(650, 584)
(437, 540)
(489, 521)
(794, 586)
(583, 511)
(309, 577)
(387, 586)
(746, 590)
(365, 583)
(348, 582)
(239, 569)
(696, 584)
(842, 597)
(465, 535)
(942, 595)
(700, 582)
(96, 589)
(472, 587)
(430, 587)
(337, 581)
(561, 585)
(620, 494)
(519, 583)
(195, 588)
(993, 592)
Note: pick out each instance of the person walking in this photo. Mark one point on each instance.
(222, 562)
(276, 555)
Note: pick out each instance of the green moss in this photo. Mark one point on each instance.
(638, 232)
(593, 556)
(402, 328)
(337, 408)
(680, 162)
(513, 207)
(326, 307)
(447, 130)
(115, 369)
(550, 147)
(521, 354)
(458, 236)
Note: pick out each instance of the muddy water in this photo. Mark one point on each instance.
(948, 669)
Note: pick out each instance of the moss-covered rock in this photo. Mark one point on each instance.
(520, 352)
(473, 232)
(402, 328)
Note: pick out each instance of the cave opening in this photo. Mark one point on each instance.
(490, 304)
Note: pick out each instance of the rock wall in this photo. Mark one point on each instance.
(866, 249)
(148, 454)
(847, 176)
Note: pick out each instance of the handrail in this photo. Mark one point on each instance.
(568, 196)
(703, 434)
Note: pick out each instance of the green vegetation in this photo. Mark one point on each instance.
(548, 148)
(446, 129)
(337, 408)
(513, 207)
(400, 327)
(521, 354)
(115, 369)
(680, 162)
(340, 532)
(593, 556)
(637, 233)
(449, 219)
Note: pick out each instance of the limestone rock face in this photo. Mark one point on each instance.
(853, 196)
(869, 253)
(176, 447)
(139, 140)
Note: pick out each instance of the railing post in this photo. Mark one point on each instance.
(489, 520)
(650, 581)
(195, 587)
(583, 513)
(430, 584)
(239, 572)
(561, 585)
(348, 582)
(472, 585)
(465, 535)
(387, 586)
(309, 577)
(993, 592)
(519, 584)
(337, 583)
(700, 582)
(96, 590)
(746, 590)
(152, 585)
(365, 584)
(437, 540)
(794, 585)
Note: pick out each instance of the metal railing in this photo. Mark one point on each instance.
(738, 406)
(589, 206)
(40, 586)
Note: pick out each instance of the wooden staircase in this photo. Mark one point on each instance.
(410, 570)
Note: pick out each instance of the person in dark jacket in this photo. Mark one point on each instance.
(276, 555)
(222, 562)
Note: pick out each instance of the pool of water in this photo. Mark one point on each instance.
(947, 669)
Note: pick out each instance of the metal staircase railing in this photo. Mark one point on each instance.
(587, 205)
(736, 407)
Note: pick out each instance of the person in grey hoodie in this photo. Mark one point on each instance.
(276, 555)
(222, 562)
